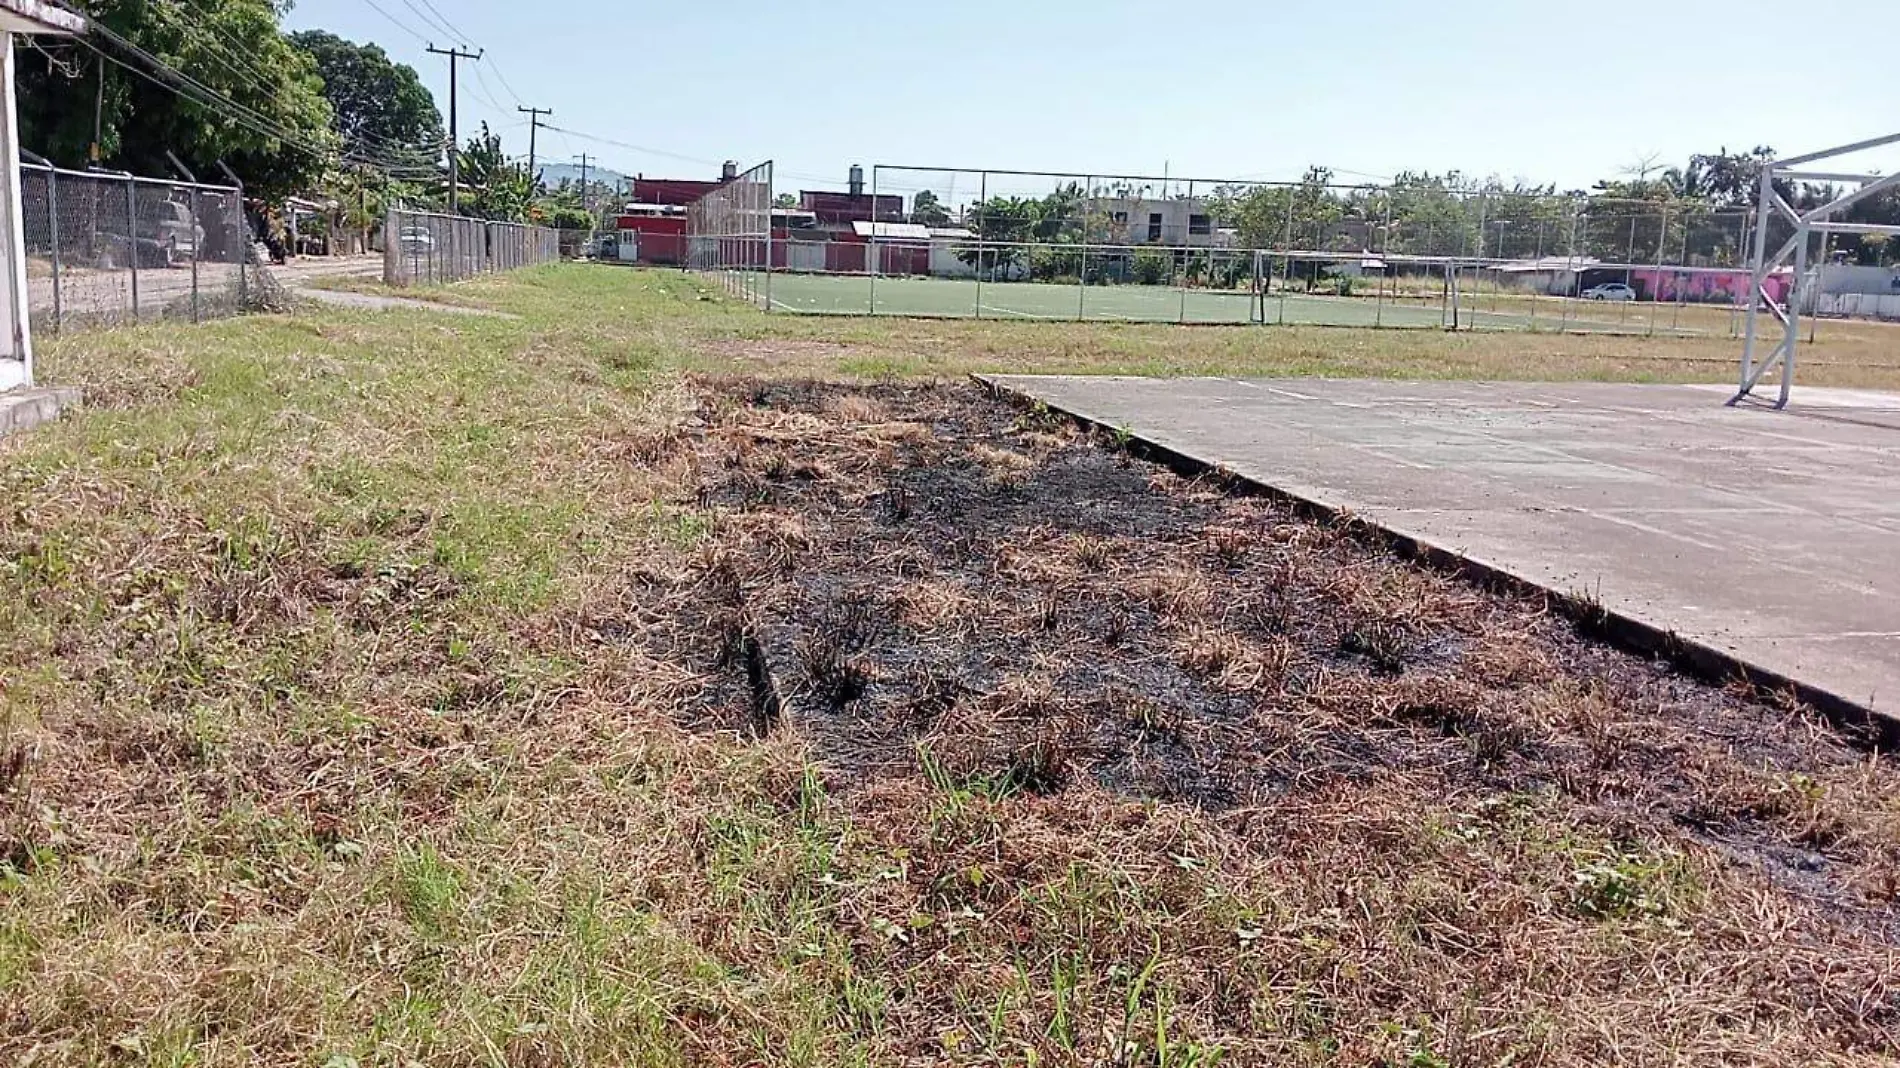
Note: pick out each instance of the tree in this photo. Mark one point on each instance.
(926, 210)
(493, 187)
(232, 47)
(1007, 221)
(380, 108)
(785, 201)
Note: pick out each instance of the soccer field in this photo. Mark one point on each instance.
(942, 298)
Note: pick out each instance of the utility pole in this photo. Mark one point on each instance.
(534, 125)
(454, 144)
(583, 158)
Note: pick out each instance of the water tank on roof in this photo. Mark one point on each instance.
(857, 180)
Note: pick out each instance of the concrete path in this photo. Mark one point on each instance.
(1772, 537)
(377, 302)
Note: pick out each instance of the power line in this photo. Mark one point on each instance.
(433, 24)
(446, 24)
(197, 92)
(398, 23)
(516, 97)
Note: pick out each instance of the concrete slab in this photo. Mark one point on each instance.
(1769, 538)
(23, 409)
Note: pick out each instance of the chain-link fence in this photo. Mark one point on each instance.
(106, 247)
(424, 248)
(730, 231)
(1421, 252)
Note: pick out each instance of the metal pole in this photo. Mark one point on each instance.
(1570, 262)
(982, 200)
(1795, 297)
(1286, 268)
(1082, 268)
(770, 182)
(872, 266)
(52, 228)
(197, 227)
(1675, 321)
(1656, 281)
(1538, 259)
(132, 237)
(1187, 242)
(1757, 274)
(1385, 252)
(244, 233)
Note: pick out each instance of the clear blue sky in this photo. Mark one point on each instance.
(1548, 92)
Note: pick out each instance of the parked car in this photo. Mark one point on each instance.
(415, 240)
(1610, 291)
(172, 232)
(166, 235)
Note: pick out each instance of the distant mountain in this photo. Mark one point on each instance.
(553, 174)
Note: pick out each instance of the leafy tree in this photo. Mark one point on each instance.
(1009, 221)
(381, 109)
(785, 201)
(493, 187)
(232, 47)
(927, 210)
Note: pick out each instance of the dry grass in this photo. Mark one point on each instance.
(384, 689)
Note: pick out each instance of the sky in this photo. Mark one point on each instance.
(1562, 93)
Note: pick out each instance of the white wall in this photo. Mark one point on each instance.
(1175, 218)
(944, 263)
(1855, 305)
(1849, 278)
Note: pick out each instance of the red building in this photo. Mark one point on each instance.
(828, 231)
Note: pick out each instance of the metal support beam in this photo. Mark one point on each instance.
(1825, 176)
(1872, 189)
(1858, 146)
(1806, 224)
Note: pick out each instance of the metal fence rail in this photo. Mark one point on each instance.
(424, 248)
(1418, 252)
(106, 247)
(729, 231)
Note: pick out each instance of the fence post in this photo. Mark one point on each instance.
(197, 228)
(244, 234)
(52, 226)
(52, 215)
(132, 237)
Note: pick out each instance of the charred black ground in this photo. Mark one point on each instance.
(923, 580)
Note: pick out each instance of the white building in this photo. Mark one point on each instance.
(1138, 220)
(16, 350)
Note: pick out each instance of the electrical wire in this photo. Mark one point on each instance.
(398, 23)
(191, 89)
(431, 24)
(446, 24)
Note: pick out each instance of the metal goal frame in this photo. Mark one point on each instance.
(1762, 263)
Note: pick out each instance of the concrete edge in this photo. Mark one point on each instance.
(1630, 633)
(23, 409)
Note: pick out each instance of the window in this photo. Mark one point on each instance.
(1120, 216)
(1200, 225)
(1154, 226)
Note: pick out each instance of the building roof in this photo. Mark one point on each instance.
(1550, 263)
(35, 16)
(897, 231)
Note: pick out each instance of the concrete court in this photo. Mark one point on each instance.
(1771, 537)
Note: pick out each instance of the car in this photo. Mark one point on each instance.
(167, 233)
(1610, 291)
(415, 240)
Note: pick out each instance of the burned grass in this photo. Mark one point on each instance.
(1031, 620)
(389, 689)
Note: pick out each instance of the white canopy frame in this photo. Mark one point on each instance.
(1763, 263)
